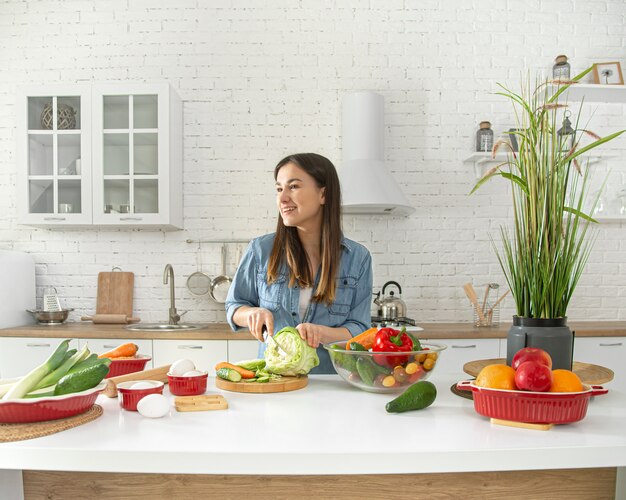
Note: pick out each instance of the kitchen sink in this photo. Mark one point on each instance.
(161, 327)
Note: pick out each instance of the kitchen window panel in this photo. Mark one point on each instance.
(145, 154)
(145, 111)
(117, 195)
(41, 196)
(115, 111)
(68, 160)
(116, 154)
(36, 106)
(146, 196)
(40, 154)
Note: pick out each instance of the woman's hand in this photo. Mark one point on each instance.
(313, 334)
(257, 318)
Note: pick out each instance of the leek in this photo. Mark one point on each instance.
(28, 382)
(53, 377)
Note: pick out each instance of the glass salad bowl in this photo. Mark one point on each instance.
(384, 372)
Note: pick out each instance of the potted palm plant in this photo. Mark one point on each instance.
(545, 252)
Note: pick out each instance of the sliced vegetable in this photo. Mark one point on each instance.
(83, 379)
(242, 371)
(366, 339)
(30, 380)
(229, 374)
(252, 364)
(127, 350)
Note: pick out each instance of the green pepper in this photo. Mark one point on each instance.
(355, 346)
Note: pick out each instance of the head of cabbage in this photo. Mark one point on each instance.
(300, 359)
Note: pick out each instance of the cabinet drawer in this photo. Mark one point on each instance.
(460, 351)
(609, 352)
(240, 350)
(18, 356)
(103, 345)
(204, 353)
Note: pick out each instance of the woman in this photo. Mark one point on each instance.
(306, 274)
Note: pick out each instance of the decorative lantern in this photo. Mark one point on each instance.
(566, 133)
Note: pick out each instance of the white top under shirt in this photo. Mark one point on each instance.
(305, 299)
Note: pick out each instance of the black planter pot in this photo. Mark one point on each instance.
(551, 335)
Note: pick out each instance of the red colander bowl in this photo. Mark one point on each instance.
(129, 397)
(50, 408)
(187, 386)
(123, 366)
(532, 407)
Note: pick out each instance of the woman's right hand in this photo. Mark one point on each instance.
(257, 318)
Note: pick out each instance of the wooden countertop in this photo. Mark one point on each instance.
(221, 331)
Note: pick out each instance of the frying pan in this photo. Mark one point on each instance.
(220, 284)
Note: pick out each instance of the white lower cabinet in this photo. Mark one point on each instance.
(100, 346)
(609, 352)
(19, 355)
(240, 350)
(204, 353)
(460, 351)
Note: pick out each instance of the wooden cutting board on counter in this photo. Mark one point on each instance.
(115, 293)
(284, 385)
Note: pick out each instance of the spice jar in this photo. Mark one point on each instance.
(560, 70)
(484, 137)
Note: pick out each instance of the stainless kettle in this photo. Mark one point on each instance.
(390, 307)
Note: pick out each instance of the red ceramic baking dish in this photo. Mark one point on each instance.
(123, 366)
(129, 397)
(532, 407)
(187, 386)
(50, 408)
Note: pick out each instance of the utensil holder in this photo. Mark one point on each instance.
(491, 308)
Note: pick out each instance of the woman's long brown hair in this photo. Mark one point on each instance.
(287, 245)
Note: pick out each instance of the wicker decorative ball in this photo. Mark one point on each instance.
(66, 117)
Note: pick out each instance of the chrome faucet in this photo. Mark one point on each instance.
(168, 275)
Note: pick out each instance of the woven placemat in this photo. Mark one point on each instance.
(20, 432)
(463, 394)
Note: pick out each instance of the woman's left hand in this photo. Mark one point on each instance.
(311, 333)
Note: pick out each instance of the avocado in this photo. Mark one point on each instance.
(417, 397)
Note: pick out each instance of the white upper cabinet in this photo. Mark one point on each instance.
(113, 158)
(54, 156)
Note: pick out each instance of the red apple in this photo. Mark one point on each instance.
(533, 376)
(531, 354)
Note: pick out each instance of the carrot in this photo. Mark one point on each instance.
(121, 351)
(242, 371)
(366, 339)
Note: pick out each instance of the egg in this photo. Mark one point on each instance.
(153, 406)
(181, 366)
(192, 373)
(142, 385)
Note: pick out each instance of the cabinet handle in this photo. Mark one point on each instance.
(471, 346)
(37, 345)
(110, 346)
(610, 345)
(54, 218)
(190, 347)
(131, 218)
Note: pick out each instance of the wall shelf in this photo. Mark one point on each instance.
(596, 93)
(479, 159)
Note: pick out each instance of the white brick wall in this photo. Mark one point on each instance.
(262, 79)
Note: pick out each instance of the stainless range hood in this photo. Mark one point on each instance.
(367, 186)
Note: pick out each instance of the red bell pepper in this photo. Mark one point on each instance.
(390, 340)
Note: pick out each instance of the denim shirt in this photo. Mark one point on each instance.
(353, 293)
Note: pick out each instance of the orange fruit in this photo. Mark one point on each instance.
(565, 381)
(497, 377)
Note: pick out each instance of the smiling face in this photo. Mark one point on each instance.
(299, 198)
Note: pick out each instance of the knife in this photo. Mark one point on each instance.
(267, 336)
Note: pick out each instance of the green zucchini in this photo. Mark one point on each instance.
(83, 379)
(229, 374)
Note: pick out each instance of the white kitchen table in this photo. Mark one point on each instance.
(328, 428)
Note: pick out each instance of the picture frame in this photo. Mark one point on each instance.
(608, 73)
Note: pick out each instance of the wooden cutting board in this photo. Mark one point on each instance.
(115, 293)
(589, 374)
(284, 385)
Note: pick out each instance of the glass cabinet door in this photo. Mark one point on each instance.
(130, 155)
(55, 180)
